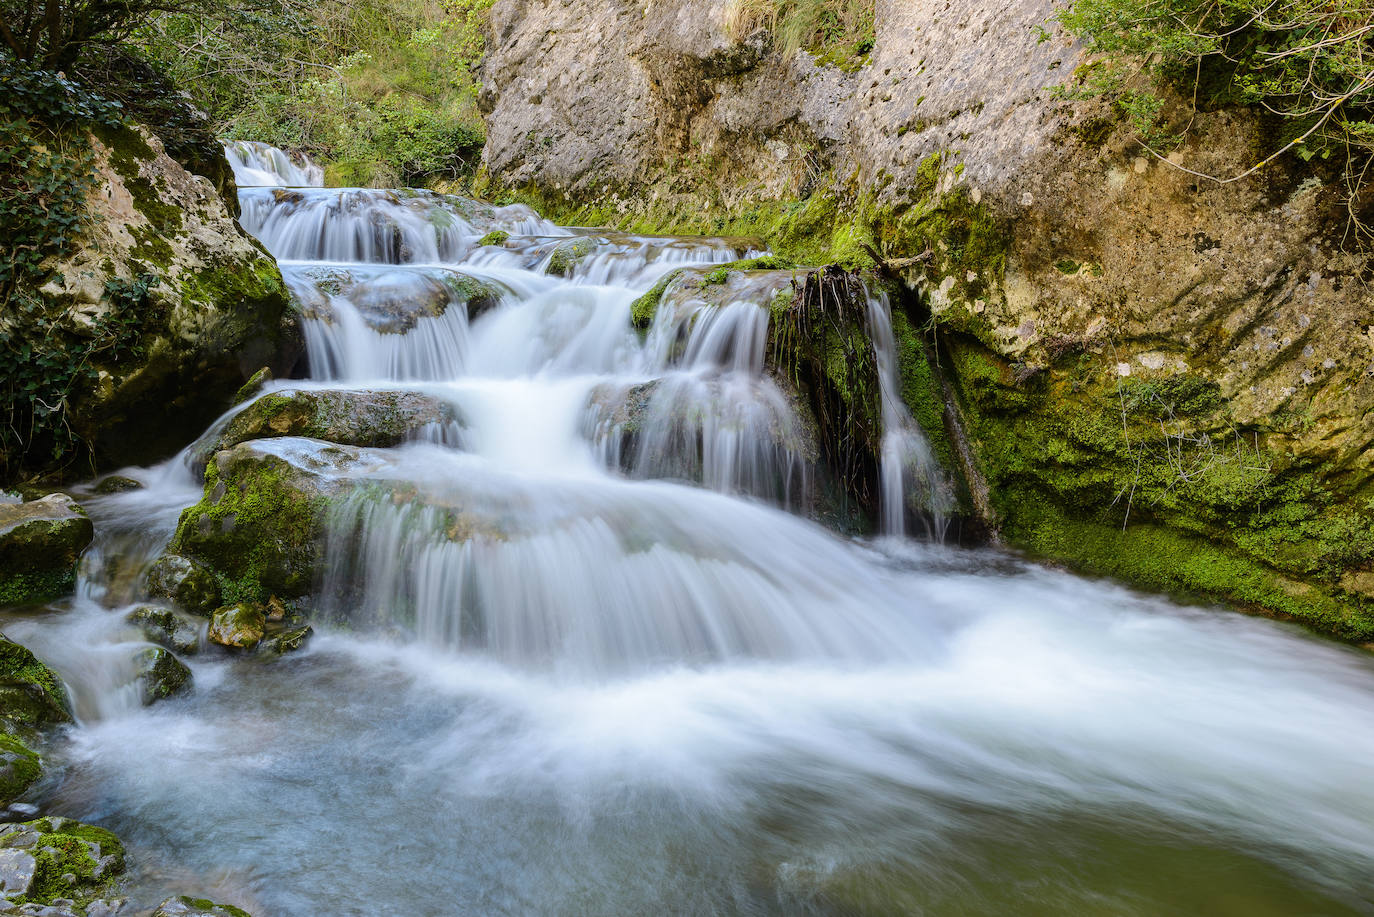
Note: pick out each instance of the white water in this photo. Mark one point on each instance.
(259, 164)
(642, 687)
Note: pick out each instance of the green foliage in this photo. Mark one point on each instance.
(382, 92)
(1305, 62)
(837, 32)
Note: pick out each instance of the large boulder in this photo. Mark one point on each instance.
(196, 304)
(58, 861)
(351, 418)
(40, 542)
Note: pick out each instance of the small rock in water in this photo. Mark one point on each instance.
(116, 483)
(288, 641)
(239, 627)
(161, 675)
(185, 582)
(21, 811)
(186, 906)
(167, 627)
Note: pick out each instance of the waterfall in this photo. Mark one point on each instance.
(259, 164)
(590, 653)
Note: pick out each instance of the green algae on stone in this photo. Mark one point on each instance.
(20, 768)
(187, 582)
(495, 237)
(568, 253)
(160, 675)
(238, 627)
(63, 859)
(31, 694)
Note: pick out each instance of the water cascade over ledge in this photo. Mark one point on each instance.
(583, 648)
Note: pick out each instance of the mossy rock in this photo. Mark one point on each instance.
(160, 675)
(40, 542)
(116, 484)
(20, 768)
(31, 694)
(52, 859)
(187, 582)
(288, 641)
(569, 253)
(261, 520)
(238, 627)
(254, 386)
(168, 628)
(187, 906)
(496, 237)
(352, 418)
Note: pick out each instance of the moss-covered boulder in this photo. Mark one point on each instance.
(189, 303)
(238, 627)
(566, 255)
(497, 237)
(187, 906)
(168, 628)
(353, 418)
(20, 768)
(160, 675)
(31, 694)
(288, 640)
(261, 521)
(187, 582)
(40, 542)
(58, 860)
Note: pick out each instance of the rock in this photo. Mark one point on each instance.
(40, 542)
(394, 298)
(261, 520)
(168, 628)
(31, 694)
(289, 640)
(58, 861)
(239, 627)
(185, 581)
(116, 483)
(219, 308)
(496, 237)
(254, 386)
(353, 418)
(186, 906)
(20, 767)
(569, 253)
(161, 675)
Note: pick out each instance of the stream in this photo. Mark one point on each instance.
(649, 683)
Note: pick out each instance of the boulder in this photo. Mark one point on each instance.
(58, 861)
(238, 627)
(116, 483)
(187, 906)
(31, 694)
(288, 641)
(353, 418)
(20, 768)
(40, 542)
(168, 628)
(161, 675)
(569, 253)
(188, 583)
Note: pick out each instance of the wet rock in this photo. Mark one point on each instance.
(20, 768)
(353, 418)
(254, 386)
(568, 254)
(495, 237)
(186, 906)
(31, 694)
(161, 675)
(58, 862)
(116, 483)
(288, 641)
(239, 627)
(40, 542)
(186, 582)
(168, 628)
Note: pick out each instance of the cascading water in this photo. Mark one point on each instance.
(579, 660)
(259, 164)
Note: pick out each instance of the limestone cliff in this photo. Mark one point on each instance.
(1163, 377)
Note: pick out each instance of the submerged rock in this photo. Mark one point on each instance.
(185, 581)
(187, 906)
(168, 628)
(161, 675)
(238, 627)
(31, 694)
(116, 483)
(58, 861)
(352, 418)
(288, 641)
(40, 542)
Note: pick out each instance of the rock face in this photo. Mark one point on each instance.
(40, 542)
(1162, 378)
(217, 311)
(57, 859)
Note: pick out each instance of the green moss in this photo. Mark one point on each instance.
(764, 263)
(643, 309)
(33, 586)
(495, 237)
(72, 860)
(20, 768)
(31, 694)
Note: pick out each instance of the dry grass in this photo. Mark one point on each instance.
(817, 26)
